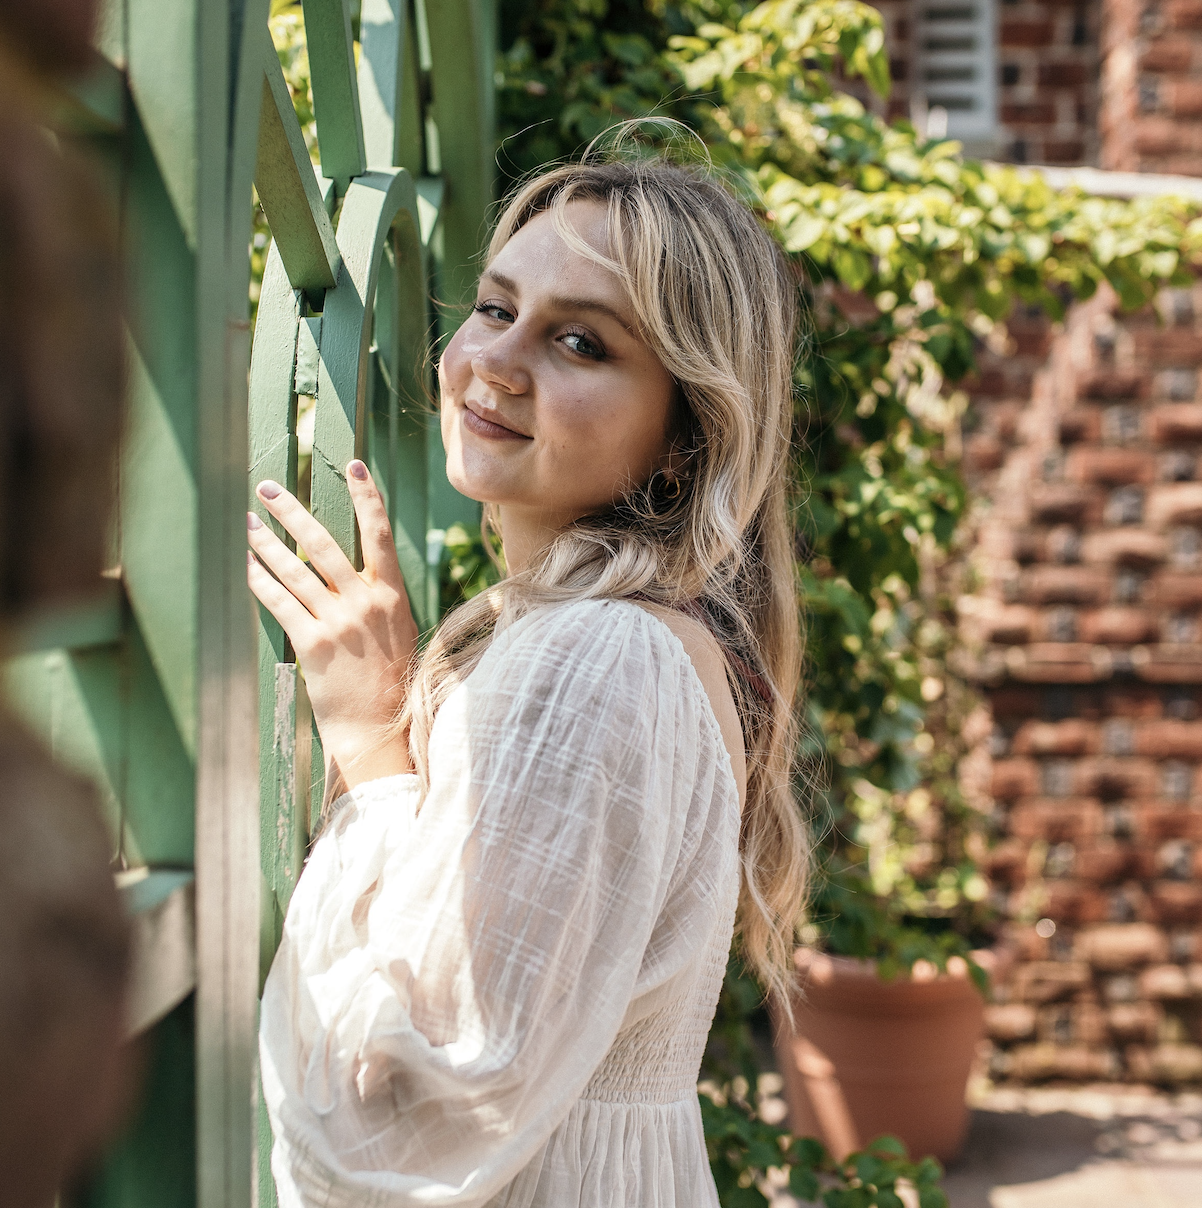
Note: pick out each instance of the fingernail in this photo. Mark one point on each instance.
(269, 489)
(358, 470)
(253, 522)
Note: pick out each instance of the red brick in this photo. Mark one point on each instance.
(1117, 626)
(1169, 739)
(1026, 33)
(1116, 946)
(1036, 113)
(1134, 1020)
(1111, 779)
(1062, 75)
(1154, 136)
(1072, 901)
(1104, 863)
(1056, 820)
(1047, 981)
(1176, 591)
(1170, 55)
(1124, 547)
(1171, 422)
(1009, 1021)
(1112, 383)
(1183, 14)
(1015, 701)
(1008, 625)
(1178, 346)
(1057, 503)
(1165, 981)
(1174, 503)
(984, 452)
(1014, 778)
(1078, 1062)
(1059, 663)
(1065, 585)
(1157, 822)
(1177, 902)
(1166, 1064)
(1110, 467)
(1081, 423)
(1184, 98)
(1007, 861)
(1063, 151)
(1071, 737)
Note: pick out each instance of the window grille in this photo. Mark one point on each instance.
(956, 45)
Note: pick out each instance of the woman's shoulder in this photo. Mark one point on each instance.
(587, 640)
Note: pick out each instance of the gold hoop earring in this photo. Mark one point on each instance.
(672, 486)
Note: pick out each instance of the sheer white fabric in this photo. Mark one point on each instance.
(504, 1000)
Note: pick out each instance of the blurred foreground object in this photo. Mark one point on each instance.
(64, 937)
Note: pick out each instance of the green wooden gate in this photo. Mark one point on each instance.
(151, 690)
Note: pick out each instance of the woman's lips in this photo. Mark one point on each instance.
(487, 429)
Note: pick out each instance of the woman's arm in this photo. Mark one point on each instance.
(447, 986)
(354, 635)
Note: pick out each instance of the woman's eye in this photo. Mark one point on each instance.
(586, 346)
(494, 310)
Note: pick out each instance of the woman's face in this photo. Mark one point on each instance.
(552, 404)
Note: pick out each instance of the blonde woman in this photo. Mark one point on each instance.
(501, 963)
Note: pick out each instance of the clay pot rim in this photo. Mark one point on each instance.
(823, 967)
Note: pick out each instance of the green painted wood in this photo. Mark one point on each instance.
(153, 1163)
(462, 56)
(368, 211)
(288, 187)
(390, 86)
(335, 89)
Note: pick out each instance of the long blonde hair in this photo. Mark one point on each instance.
(714, 299)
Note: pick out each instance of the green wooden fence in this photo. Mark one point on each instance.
(151, 689)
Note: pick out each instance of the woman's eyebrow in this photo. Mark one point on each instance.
(563, 301)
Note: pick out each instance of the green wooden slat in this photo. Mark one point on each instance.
(390, 86)
(94, 102)
(371, 204)
(163, 66)
(335, 89)
(288, 187)
(94, 622)
(462, 46)
(153, 1163)
(159, 451)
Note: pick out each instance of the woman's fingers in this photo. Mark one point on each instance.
(324, 552)
(277, 599)
(375, 532)
(285, 565)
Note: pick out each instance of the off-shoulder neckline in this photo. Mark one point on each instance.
(674, 644)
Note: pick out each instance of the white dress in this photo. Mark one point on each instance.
(504, 1000)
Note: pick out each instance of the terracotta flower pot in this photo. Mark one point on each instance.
(867, 1057)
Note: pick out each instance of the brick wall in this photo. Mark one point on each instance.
(1151, 116)
(1087, 631)
(1047, 77)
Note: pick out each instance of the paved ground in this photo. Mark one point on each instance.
(1092, 1147)
(1097, 1147)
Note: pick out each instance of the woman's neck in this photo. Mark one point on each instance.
(526, 532)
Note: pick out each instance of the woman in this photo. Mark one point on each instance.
(500, 966)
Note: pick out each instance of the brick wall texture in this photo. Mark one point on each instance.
(1085, 624)
(1086, 629)
(1150, 118)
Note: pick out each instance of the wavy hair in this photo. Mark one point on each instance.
(714, 298)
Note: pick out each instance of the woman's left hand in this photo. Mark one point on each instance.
(354, 635)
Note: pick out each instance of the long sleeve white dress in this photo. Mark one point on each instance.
(503, 999)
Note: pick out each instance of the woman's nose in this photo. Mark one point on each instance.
(500, 363)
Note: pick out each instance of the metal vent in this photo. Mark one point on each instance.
(956, 43)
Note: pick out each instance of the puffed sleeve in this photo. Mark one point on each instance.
(448, 982)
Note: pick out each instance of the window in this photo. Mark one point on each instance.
(956, 52)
